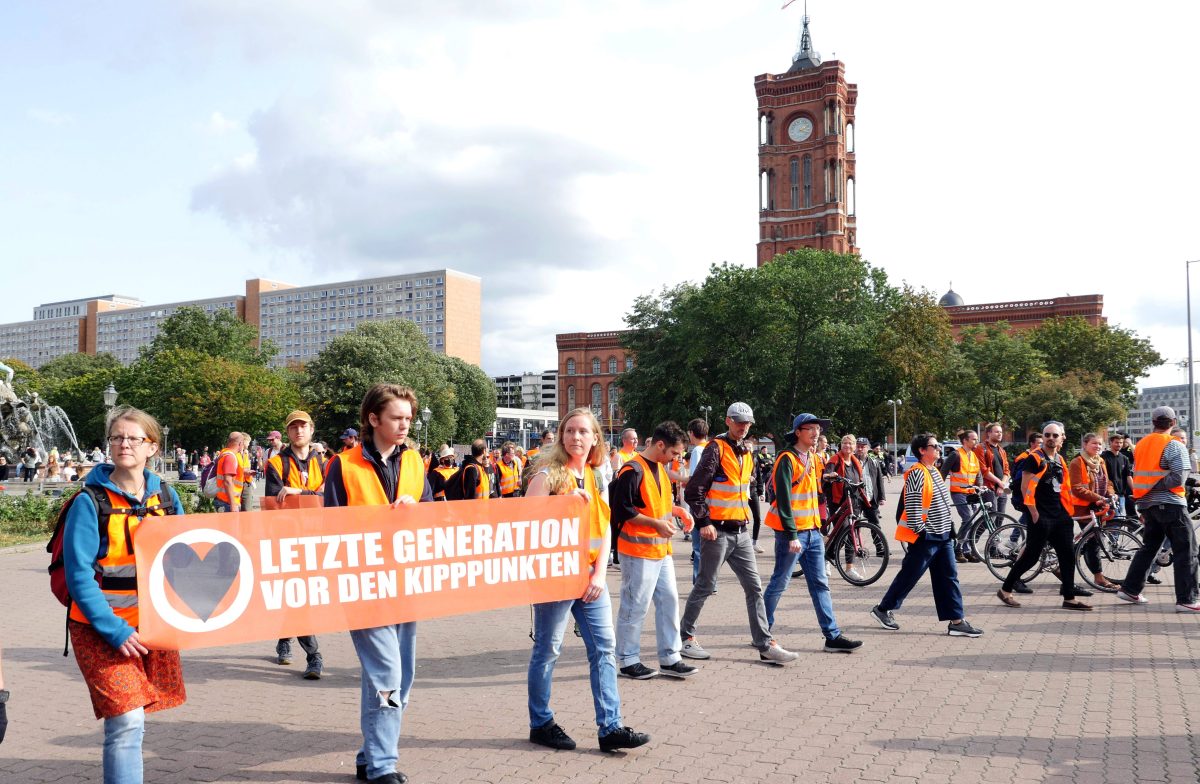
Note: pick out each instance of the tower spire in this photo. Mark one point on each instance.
(806, 57)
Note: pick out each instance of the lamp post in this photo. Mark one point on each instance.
(110, 400)
(417, 427)
(166, 445)
(706, 410)
(426, 415)
(1191, 433)
(895, 436)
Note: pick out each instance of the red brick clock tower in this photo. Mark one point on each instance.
(806, 156)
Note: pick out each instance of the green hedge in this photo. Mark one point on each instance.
(32, 515)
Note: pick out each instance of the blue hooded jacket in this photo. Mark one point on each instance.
(81, 552)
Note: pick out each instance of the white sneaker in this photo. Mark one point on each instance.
(1194, 607)
(1132, 599)
(854, 574)
(758, 549)
(776, 654)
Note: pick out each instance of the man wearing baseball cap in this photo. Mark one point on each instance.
(719, 497)
(274, 445)
(349, 439)
(297, 470)
(795, 518)
(1160, 469)
(440, 470)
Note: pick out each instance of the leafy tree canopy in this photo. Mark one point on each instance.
(219, 334)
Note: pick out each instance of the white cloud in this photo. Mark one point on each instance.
(50, 117)
(218, 124)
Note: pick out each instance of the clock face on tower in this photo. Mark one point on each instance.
(800, 129)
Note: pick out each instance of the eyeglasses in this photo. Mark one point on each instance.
(1052, 435)
(932, 446)
(131, 440)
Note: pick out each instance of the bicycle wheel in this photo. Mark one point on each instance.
(1002, 548)
(977, 539)
(1115, 548)
(870, 551)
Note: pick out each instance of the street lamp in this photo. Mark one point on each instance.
(705, 410)
(110, 400)
(165, 446)
(1191, 383)
(895, 436)
(426, 415)
(417, 427)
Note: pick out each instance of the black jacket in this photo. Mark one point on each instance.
(1120, 471)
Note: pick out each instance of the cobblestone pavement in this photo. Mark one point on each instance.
(1045, 695)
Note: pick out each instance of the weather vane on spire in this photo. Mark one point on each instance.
(806, 57)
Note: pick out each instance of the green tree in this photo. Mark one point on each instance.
(1002, 366)
(1083, 401)
(474, 398)
(25, 378)
(79, 364)
(1117, 355)
(219, 334)
(383, 351)
(82, 400)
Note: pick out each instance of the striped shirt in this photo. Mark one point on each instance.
(1175, 461)
(938, 520)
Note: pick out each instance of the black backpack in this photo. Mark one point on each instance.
(1018, 498)
(456, 484)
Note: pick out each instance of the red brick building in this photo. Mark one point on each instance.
(806, 156)
(1023, 314)
(588, 366)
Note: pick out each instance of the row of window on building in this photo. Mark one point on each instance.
(602, 407)
(596, 365)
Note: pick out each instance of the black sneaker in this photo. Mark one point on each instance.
(316, 666)
(283, 652)
(841, 644)
(388, 778)
(1081, 591)
(624, 738)
(963, 629)
(1021, 587)
(551, 736)
(678, 670)
(360, 773)
(639, 672)
(885, 619)
(1152, 580)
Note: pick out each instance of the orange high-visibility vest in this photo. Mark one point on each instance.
(729, 495)
(1147, 468)
(963, 480)
(803, 494)
(236, 480)
(362, 484)
(291, 476)
(1064, 493)
(926, 495)
(446, 472)
(624, 457)
(510, 478)
(643, 541)
(118, 569)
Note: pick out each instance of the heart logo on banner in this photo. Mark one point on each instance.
(201, 582)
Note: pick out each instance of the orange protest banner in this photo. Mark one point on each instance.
(221, 579)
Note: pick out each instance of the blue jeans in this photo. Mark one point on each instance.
(812, 557)
(736, 549)
(123, 747)
(221, 506)
(596, 628)
(964, 515)
(643, 580)
(388, 655)
(937, 557)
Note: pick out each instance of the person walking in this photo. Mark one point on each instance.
(874, 492)
(796, 521)
(846, 466)
(568, 466)
(125, 679)
(697, 433)
(231, 477)
(930, 536)
(440, 471)
(961, 469)
(1160, 470)
(1046, 488)
(508, 471)
(1091, 491)
(643, 503)
(297, 470)
(474, 474)
(382, 470)
(1120, 472)
(993, 464)
(719, 497)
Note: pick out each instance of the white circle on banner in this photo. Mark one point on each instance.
(184, 623)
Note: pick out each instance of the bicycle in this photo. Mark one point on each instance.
(982, 524)
(859, 541)
(1116, 546)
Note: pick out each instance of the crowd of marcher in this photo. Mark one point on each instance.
(639, 497)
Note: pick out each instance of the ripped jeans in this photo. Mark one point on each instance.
(388, 656)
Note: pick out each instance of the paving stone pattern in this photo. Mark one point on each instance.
(1046, 695)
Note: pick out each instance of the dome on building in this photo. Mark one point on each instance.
(951, 299)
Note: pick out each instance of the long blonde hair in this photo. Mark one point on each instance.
(554, 459)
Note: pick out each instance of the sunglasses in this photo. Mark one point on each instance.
(932, 446)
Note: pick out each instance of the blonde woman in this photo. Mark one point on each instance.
(565, 467)
(126, 680)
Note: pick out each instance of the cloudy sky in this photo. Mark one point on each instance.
(575, 154)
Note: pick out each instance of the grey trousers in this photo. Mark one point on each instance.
(736, 549)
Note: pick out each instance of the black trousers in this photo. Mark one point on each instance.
(1060, 535)
(1167, 522)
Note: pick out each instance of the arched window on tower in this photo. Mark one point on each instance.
(826, 121)
(570, 367)
(764, 196)
(597, 399)
(613, 403)
(766, 128)
(808, 183)
(612, 366)
(595, 366)
(837, 118)
(850, 137)
(828, 190)
(794, 181)
(571, 398)
(851, 200)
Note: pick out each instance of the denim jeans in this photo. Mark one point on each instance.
(221, 506)
(937, 557)
(388, 655)
(1166, 523)
(964, 515)
(696, 550)
(123, 747)
(643, 580)
(736, 549)
(596, 628)
(812, 557)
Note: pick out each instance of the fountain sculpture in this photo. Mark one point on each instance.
(31, 422)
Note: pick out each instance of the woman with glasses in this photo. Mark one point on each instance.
(926, 516)
(126, 680)
(1046, 487)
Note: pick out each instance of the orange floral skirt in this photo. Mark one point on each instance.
(119, 684)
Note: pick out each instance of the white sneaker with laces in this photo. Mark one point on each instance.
(854, 574)
(1131, 598)
(1194, 607)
